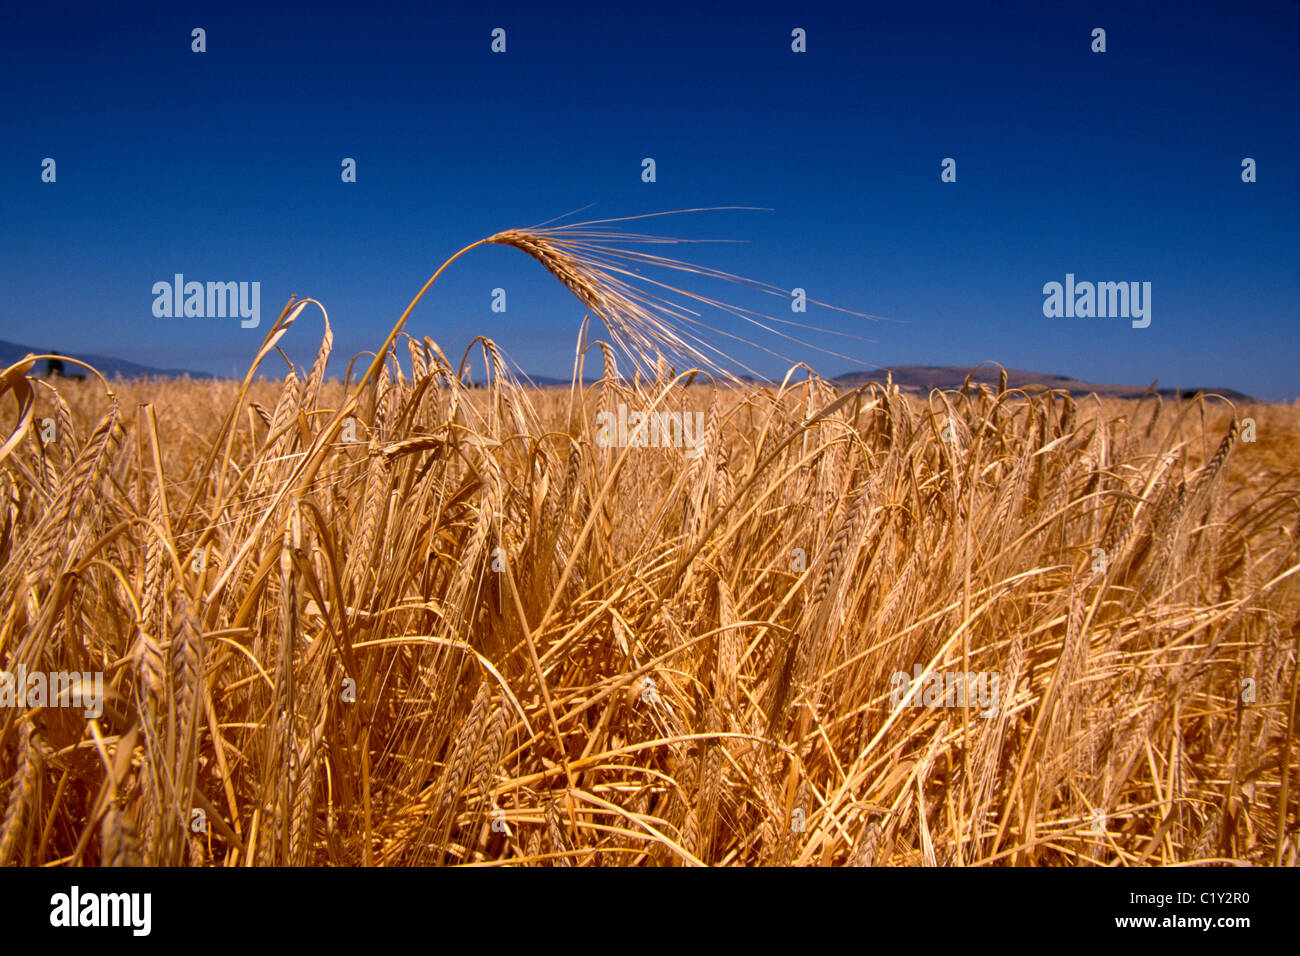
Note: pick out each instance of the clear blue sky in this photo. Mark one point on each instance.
(1122, 166)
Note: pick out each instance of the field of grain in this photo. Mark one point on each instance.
(405, 621)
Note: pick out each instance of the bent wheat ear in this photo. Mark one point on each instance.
(596, 266)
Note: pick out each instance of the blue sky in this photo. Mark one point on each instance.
(225, 166)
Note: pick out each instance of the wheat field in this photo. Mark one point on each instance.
(403, 620)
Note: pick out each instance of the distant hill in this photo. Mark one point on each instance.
(922, 378)
(910, 378)
(11, 352)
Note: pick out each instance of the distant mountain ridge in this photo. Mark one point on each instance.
(11, 352)
(911, 378)
(923, 378)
